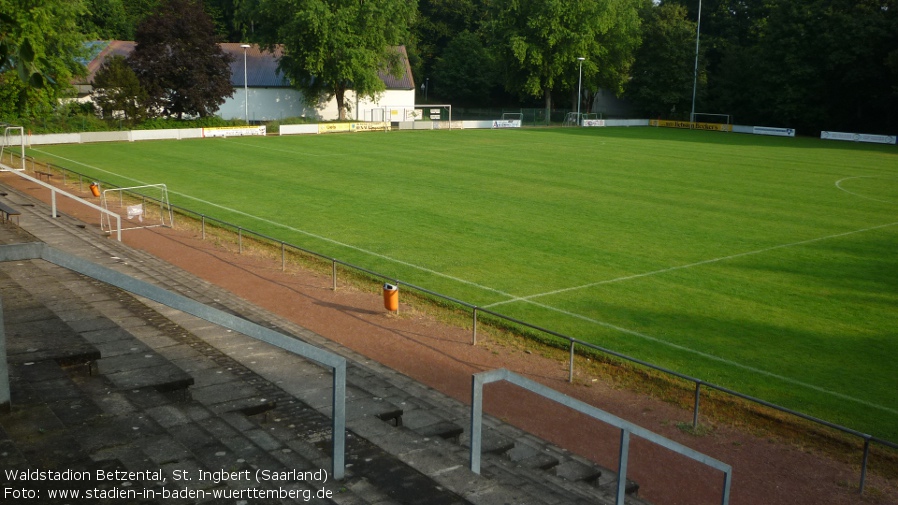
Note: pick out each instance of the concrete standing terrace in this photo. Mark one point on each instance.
(138, 403)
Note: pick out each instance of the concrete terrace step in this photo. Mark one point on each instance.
(218, 426)
(123, 359)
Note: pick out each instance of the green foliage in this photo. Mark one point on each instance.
(539, 41)
(116, 90)
(179, 63)
(664, 70)
(466, 72)
(808, 64)
(331, 46)
(229, 24)
(40, 40)
(107, 20)
(438, 24)
(161, 123)
(64, 118)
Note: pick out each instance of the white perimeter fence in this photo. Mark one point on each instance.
(315, 129)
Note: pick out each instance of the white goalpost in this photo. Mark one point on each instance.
(9, 135)
(141, 206)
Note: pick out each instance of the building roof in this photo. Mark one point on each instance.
(261, 66)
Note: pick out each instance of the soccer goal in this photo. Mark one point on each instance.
(12, 134)
(140, 206)
(707, 117)
(571, 119)
(440, 115)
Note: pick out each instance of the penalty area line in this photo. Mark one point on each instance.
(690, 265)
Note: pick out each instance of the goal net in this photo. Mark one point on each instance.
(707, 117)
(13, 135)
(140, 207)
(430, 116)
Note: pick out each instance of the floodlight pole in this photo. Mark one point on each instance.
(245, 86)
(698, 32)
(579, 88)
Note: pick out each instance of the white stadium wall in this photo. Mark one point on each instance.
(266, 104)
(269, 104)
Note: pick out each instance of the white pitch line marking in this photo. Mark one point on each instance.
(840, 181)
(690, 265)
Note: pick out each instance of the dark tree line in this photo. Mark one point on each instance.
(808, 64)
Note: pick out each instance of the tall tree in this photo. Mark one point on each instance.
(41, 41)
(663, 75)
(807, 64)
(540, 40)
(179, 63)
(332, 46)
(224, 13)
(466, 73)
(116, 90)
(106, 20)
(439, 22)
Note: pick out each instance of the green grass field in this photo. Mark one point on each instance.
(767, 265)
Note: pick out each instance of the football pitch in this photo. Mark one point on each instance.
(765, 265)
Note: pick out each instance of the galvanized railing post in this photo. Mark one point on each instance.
(334, 274)
(864, 465)
(571, 377)
(476, 422)
(474, 328)
(5, 397)
(698, 386)
(622, 467)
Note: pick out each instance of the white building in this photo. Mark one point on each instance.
(269, 92)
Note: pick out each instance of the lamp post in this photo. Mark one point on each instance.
(245, 87)
(579, 88)
(698, 32)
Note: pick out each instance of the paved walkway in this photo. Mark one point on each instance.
(103, 382)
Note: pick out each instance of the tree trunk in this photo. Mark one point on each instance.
(548, 96)
(340, 95)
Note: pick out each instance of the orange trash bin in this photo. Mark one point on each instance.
(95, 189)
(391, 298)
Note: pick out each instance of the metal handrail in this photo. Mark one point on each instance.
(571, 341)
(627, 428)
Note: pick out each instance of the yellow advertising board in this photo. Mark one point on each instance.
(333, 127)
(233, 131)
(352, 127)
(718, 127)
(369, 127)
